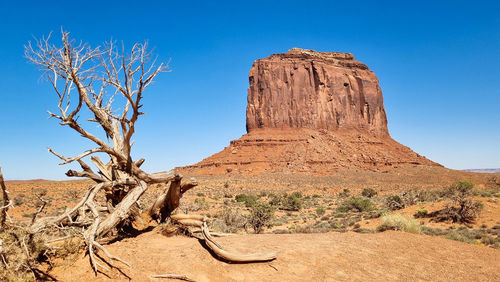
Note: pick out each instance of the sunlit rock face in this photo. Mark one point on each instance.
(315, 90)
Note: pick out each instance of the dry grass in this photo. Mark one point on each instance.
(400, 223)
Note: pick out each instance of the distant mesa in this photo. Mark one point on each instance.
(311, 112)
(483, 170)
(14, 181)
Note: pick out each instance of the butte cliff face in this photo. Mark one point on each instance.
(315, 90)
(311, 112)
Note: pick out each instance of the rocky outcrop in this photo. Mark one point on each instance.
(316, 90)
(311, 112)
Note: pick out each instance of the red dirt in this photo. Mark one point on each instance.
(387, 256)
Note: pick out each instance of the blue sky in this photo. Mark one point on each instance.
(438, 63)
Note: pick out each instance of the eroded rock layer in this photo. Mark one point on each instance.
(311, 112)
(317, 90)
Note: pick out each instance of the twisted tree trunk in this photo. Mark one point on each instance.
(6, 203)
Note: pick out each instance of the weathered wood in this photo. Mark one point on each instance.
(218, 249)
(6, 203)
(104, 169)
(234, 257)
(173, 276)
(122, 210)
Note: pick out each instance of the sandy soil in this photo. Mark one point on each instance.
(387, 256)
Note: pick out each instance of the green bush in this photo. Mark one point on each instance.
(202, 203)
(356, 204)
(400, 223)
(421, 213)
(462, 209)
(260, 216)
(320, 211)
(292, 202)
(249, 200)
(369, 192)
(459, 236)
(458, 190)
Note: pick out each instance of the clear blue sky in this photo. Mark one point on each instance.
(438, 63)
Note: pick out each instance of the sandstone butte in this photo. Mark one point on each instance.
(311, 112)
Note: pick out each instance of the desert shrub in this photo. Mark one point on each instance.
(394, 202)
(411, 197)
(458, 190)
(292, 202)
(415, 196)
(363, 230)
(369, 192)
(202, 204)
(281, 231)
(421, 213)
(260, 216)
(73, 194)
(400, 223)
(434, 231)
(476, 236)
(20, 199)
(21, 255)
(232, 219)
(226, 185)
(459, 236)
(320, 211)
(326, 217)
(42, 192)
(356, 204)
(199, 194)
(321, 227)
(466, 212)
(336, 224)
(376, 214)
(248, 200)
(462, 209)
(345, 193)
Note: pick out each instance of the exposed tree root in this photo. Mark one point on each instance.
(218, 249)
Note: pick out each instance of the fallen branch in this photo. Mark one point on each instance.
(218, 249)
(173, 276)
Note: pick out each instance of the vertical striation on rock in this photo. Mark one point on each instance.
(315, 90)
(311, 112)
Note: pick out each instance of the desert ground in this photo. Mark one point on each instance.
(315, 229)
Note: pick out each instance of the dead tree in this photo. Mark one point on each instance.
(104, 86)
(5, 204)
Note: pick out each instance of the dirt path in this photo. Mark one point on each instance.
(315, 257)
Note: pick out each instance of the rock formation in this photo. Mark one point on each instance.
(313, 112)
(308, 89)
